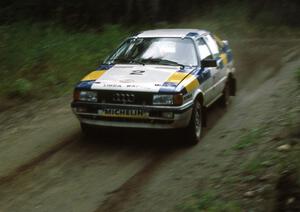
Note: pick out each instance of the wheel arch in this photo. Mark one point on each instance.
(199, 96)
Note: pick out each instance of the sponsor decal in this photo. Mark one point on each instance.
(127, 81)
(132, 86)
(106, 85)
(137, 72)
(123, 113)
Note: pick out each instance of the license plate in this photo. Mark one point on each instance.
(123, 113)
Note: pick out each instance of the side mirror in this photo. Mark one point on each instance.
(209, 63)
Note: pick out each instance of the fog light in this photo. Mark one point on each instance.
(168, 115)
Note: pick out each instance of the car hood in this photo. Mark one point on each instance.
(145, 78)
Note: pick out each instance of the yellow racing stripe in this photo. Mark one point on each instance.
(177, 77)
(190, 83)
(224, 58)
(93, 75)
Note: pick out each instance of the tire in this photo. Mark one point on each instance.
(194, 129)
(225, 98)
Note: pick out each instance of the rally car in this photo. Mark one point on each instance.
(158, 79)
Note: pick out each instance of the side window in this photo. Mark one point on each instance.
(212, 45)
(203, 50)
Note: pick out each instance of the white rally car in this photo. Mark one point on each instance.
(160, 79)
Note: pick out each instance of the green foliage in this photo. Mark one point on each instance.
(21, 88)
(208, 202)
(97, 13)
(249, 139)
(252, 166)
(49, 59)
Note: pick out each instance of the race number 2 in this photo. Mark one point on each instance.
(137, 72)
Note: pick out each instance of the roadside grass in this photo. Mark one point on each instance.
(259, 163)
(252, 166)
(46, 60)
(249, 139)
(210, 202)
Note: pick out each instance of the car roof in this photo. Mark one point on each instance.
(171, 33)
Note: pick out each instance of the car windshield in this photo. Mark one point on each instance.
(163, 51)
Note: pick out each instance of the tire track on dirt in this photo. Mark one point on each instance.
(38, 160)
(130, 188)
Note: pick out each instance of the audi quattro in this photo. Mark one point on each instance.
(159, 79)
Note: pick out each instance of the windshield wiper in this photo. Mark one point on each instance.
(171, 62)
(120, 60)
(143, 61)
(126, 61)
(137, 61)
(162, 61)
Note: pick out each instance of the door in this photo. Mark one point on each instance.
(206, 75)
(219, 79)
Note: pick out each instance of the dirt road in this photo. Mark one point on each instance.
(46, 165)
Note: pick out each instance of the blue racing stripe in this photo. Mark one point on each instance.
(168, 87)
(229, 56)
(85, 85)
(104, 67)
(203, 77)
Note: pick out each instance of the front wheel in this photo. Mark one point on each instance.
(194, 129)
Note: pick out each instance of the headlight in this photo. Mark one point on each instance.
(162, 99)
(167, 99)
(86, 96)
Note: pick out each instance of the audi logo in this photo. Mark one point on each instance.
(123, 98)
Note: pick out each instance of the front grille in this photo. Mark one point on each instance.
(120, 97)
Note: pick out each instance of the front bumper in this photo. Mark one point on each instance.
(181, 118)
